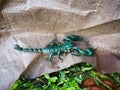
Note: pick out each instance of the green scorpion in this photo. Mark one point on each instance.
(58, 48)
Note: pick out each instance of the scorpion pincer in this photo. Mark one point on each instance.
(57, 48)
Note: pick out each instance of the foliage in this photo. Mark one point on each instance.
(116, 77)
(67, 79)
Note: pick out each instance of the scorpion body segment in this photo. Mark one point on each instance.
(57, 48)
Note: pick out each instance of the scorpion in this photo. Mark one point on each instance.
(58, 48)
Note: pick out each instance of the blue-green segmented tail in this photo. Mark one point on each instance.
(34, 50)
(17, 47)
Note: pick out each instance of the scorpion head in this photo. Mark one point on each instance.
(72, 38)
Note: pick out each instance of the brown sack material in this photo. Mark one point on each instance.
(35, 23)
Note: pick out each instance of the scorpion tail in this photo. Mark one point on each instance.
(17, 47)
(35, 50)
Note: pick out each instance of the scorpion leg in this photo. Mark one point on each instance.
(50, 57)
(59, 53)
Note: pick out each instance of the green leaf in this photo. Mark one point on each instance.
(25, 85)
(84, 69)
(37, 79)
(77, 68)
(101, 82)
(54, 87)
(14, 87)
(61, 78)
(66, 71)
(53, 79)
(63, 88)
(71, 88)
(79, 79)
(47, 76)
(116, 77)
(71, 83)
(48, 84)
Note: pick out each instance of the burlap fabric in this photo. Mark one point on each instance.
(35, 23)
